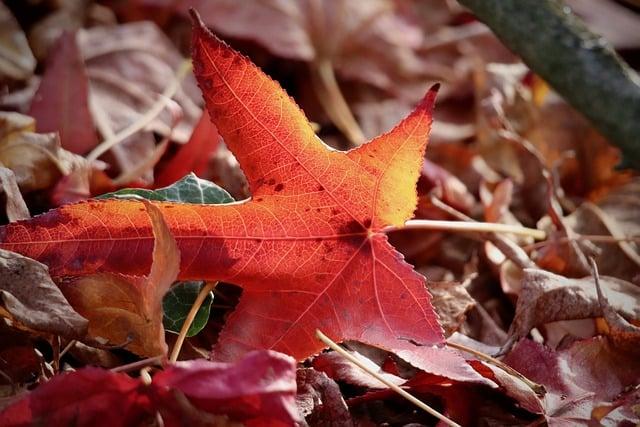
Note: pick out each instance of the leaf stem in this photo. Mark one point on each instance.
(147, 117)
(537, 388)
(420, 404)
(328, 91)
(478, 227)
(208, 287)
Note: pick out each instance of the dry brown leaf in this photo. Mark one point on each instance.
(546, 297)
(32, 157)
(15, 206)
(587, 373)
(616, 215)
(319, 399)
(129, 66)
(16, 60)
(451, 301)
(624, 335)
(31, 300)
(101, 297)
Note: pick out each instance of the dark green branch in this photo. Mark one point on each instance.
(579, 65)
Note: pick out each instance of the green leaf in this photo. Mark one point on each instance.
(189, 189)
(180, 298)
(178, 302)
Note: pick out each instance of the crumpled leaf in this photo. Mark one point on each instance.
(61, 103)
(128, 310)
(15, 207)
(616, 214)
(319, 399)
(369, 41)
(624, 335)
(31, 300)
(16, 60)
(587, 373)
(546, 297)
(315, 224)
(257, 391)
(36, 159)
(451, 301)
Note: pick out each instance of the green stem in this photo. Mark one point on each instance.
(578, 64)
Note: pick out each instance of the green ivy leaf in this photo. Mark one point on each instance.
(189, 189)
(178, 302)
(180, 298)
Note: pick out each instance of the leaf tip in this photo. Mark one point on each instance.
(429, 99)
(196, 20)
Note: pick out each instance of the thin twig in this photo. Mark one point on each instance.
(589, 237)
(202, 295)
(478, 227)
(507, 246)
(328, 91)
(67, 347)
(537, 388)
(147, 117)
(156, 360)
(420, 404)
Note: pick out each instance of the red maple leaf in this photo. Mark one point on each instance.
(309, 248)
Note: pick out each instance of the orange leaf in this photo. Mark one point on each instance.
(125, 309)
(308, 248)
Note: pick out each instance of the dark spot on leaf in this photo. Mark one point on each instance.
(259, 199)
(279, 187)
(320, 187)
(351, 233)
(272, 181)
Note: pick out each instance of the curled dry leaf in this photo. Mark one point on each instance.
(617, 215)
(589, 372)
(546, 297)
(16, 59)
(451, 301)
(319, 399)
(15, 207)
(34, 158)
(31, 300)
(126, 310)
(623, 334)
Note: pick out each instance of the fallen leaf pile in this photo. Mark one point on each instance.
(192, 232)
